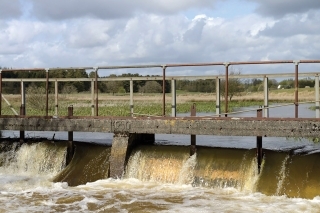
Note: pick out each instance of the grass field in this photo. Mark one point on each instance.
(147, 104)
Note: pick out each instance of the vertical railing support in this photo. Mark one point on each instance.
(316, 88)
(218, 96)
(70, 148)
(173, 99)
(56, 93)
(266, 97)
(296, 86)
(47, 92)
(96, 91)
(163, 90)
(22, 109)
(193, 148)
(92, 97)
(131, 97)
(226, 88)
(259, 145)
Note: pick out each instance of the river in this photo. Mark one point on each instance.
(221, 177)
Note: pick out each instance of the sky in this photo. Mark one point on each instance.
(76, 33)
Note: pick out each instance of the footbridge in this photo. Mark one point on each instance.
(134, 129)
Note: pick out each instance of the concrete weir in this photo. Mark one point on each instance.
(122, 145)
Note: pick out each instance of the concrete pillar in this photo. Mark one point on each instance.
(122, 145)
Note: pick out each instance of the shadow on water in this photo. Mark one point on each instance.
(89, 163)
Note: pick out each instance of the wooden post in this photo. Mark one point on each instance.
(71, 146)
(193, 148)
(259, 144)
(22, 109)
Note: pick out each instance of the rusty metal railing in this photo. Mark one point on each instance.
(164, 78)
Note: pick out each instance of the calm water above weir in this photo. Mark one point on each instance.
(221, 177)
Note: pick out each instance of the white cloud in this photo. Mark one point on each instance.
(145, 34)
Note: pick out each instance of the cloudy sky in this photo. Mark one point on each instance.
(65, 33)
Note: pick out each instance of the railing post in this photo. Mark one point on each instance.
(22, 109)
(131, 97)
(173, 98)
(259, 145)
(47, 91)
(56, 92)
(296, 85)
(70, 148)
(193, 148)
(96, 91)
(218, 96)
(316, 88)
(163, 90)
(92, 97)
(226, 90)
(266, 98)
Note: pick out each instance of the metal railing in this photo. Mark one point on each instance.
(94, 81)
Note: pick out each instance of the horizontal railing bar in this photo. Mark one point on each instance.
(166, 65)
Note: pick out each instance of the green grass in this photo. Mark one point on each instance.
(122, 108)
(109, 106)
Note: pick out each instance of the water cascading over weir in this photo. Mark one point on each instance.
(282, 172)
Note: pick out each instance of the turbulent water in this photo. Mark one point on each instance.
(221, 177)
(34, 178)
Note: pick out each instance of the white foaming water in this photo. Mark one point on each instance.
(31, 165)
(25, 187)
(132, 195)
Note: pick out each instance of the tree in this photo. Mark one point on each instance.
(113, 86)
(235, 86)
(288, 83)
(273, 83)
(151, 87)
(136, 84)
